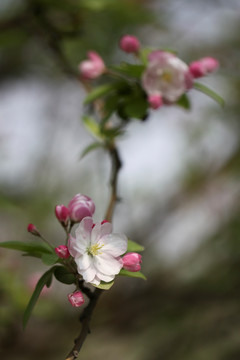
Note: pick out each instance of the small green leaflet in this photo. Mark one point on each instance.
(64, 275)
(136, 274)
(130, 70)
(98, 92)
(104, 285)
(209, 92)
(184, 102)
(92, 126)
(44, 280)
(90, 148)
(134, 247)
(33, 249)
(50, 259)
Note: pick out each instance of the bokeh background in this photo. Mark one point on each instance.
(179, 184)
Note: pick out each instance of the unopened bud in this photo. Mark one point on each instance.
(76, 299)
(93, 67)
(62, 214)
(129, 44)
(131, 261)
(155, 101)
(80, 207)
(33, 230)
(203, 67)
(62, 251)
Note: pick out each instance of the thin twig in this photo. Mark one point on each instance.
(85, 319)
(116, 166)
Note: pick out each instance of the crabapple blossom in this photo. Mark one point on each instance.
(62, 213)
(80, 206)
(76, 299)
(62, 251)
(93, 67)
(96, 251)
(203, 66)
(129, 44)
(131, 261)
(167, 76)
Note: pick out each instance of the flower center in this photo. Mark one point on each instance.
(95, 249)
(166, 76)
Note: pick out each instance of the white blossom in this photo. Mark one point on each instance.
(96, 251)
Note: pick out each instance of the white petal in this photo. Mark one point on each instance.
(114, 244)
(89, 274)
(99, 231)
(96, 281)
(84, 261)
(72, 248)
(83, 233)
(106, 264)
(106, 278)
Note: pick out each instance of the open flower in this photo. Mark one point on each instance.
(96, 251)
(167, 76)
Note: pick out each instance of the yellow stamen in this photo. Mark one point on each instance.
(94, 249)
(166, 76)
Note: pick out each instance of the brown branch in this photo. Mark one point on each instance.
(85, 319)
(116, 166)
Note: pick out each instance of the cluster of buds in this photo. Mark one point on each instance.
(79, 207)
(166, 77)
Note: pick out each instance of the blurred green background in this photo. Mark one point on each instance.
(179, 184)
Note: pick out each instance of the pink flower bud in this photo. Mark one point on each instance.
(132, 261)
(80, 207)
(129, 44)
(155, 101)
(203, 67)
(62, 213)
(33, 230)
(62, 251)
(92, 68)
(76, 299)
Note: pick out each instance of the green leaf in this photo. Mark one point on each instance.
(104, 285)
(64, 275)
(50, 259)
(92, 126)
(33, 249)
(90, 148)
(130, 69)
(136, 108)
(184, 102)
(209, 92)
(44, 280)
(134, 247)
(136, 274)
(98, 92)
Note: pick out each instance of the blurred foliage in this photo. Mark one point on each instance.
(39, 32)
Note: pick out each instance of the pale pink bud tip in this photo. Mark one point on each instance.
(80, 206)
(155, 101)
(33, 230)
(62, 213)
(203, 67)
(76, 299)
(131, 261)
(93, 67)
(62, 251)
(129, 44)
